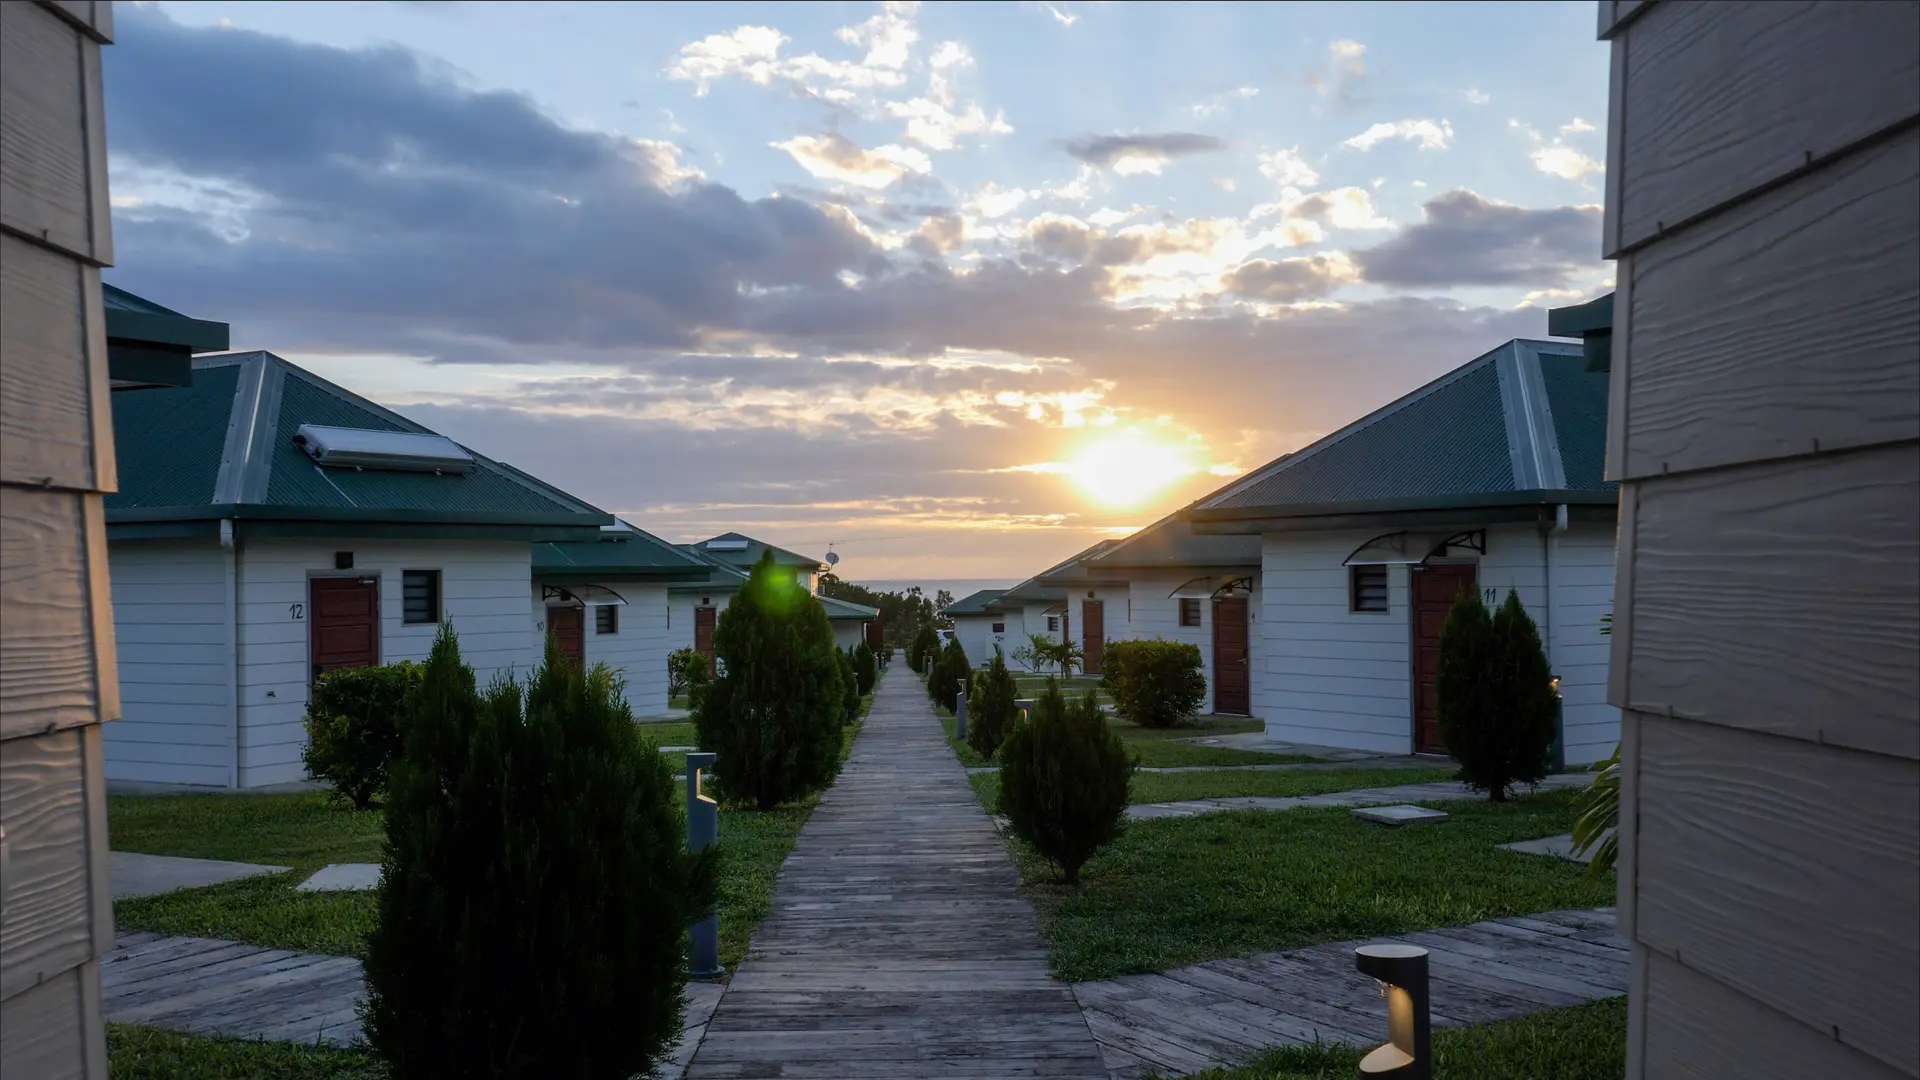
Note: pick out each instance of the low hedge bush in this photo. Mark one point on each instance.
(354, 728)
(1153, 682)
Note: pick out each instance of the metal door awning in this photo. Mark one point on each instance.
(583, 595)
(1212, 586)
(1411, 548)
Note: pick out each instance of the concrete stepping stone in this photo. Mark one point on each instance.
(1559, 846)
(1399, 815)
(133, 874)
(343, 877)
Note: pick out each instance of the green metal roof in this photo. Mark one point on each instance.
(149, 345)
(974, 603)
(623, 550)
(1171, 543)
(223, 448)
(842, 610)
(719, 575)
(745, 558)
(1524, 423)
(1077, 571)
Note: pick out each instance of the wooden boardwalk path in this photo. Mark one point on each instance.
(1193, 1018)
(898, 946)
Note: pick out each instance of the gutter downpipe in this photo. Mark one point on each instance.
(1550, 540)
(232, 549)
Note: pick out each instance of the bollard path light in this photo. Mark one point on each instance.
(703, 828)
(960, 713)
(1024, 706)
(1401, 971)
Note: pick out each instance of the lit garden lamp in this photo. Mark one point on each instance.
(1401, 971)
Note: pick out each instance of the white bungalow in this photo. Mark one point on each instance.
(1487, 478)
(695, 605)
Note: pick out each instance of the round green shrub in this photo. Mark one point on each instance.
(1065, 779)
(1154, 682)
(353, 722)
(774, 713)
(536, 889)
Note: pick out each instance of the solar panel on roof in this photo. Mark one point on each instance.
(362, 448)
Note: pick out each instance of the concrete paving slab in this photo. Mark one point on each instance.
(1399, 815)
(343, 877)
(1559, 846)
(133, 874)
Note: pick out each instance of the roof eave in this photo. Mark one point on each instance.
(1487, 507)
(346, 514)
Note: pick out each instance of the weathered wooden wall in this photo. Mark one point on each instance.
(57, 674)
(1763, 206)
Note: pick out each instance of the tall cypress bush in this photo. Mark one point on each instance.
(773, 715)
(950, 667)
(1494, 696)
(866, 669)
(1065, 778)
(991, 711)
(922, 650)
(536, 889)
(849, 686)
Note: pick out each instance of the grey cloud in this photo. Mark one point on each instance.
(1465, 239)
(1306, 278)
(1103, 151)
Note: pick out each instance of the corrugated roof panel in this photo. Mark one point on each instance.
(1577, 398)
(1171, 542)
(974, 603)
(1450, 441)
(168, 442)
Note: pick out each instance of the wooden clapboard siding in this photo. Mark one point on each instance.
(1737, 359)
(1720, 100)
(52, 920)
(1799, 617)
(48, 677)
(54, 1031)
(1763, 176)
(57, 674)
(1733, 808)
(1698, 1029)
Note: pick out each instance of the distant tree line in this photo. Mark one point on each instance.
(902, 614)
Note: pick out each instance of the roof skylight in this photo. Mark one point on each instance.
(400, 451)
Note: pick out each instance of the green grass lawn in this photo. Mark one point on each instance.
(1580, 1042)
(1159, 748)
(1179, 891)
(1178, 787)
(673, 733)
(147, 1053)
(308, 830)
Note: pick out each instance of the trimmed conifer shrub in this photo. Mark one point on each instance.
(536, 889)
(922, 650)
(1065, 777)
(945, 674)
(991, 711)
(354, 718)
(773, 715)
(849, 686)
(1494, 695)
(866, 668)
(1154, 682)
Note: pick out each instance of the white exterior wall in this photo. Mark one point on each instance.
(483, 588)
(1155, 614)
(176, 663)
(847, 633)
(1334, 677)
(978, 639)
(636, 651)
(1031, 619)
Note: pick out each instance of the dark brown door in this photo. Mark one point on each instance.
(568, 624)
(873, 636)
(703, 619)
(1435, 588)
(1232, 677)
(344, 628)
(1093, 624)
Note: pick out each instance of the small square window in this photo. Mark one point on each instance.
(999, 628)
(1053, 624)
(1368, 588)
(1189, 611)
(420, 596)
(606, 619)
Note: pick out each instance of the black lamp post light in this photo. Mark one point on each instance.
(1401, 971)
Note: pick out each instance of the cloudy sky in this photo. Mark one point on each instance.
(961, 288)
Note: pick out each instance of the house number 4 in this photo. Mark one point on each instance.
(296, 612)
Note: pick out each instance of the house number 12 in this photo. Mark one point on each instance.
(296, 612)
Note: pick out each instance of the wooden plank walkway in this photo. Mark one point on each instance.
(205, 986)
(898, 946)
(1189, 1019)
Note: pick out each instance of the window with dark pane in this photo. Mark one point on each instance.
(1189, 611)
(606, 619)
(1369, 588)
(999, 628)
(1053, 624)
(420, 599)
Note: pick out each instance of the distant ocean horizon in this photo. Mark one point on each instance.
(959, 587)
